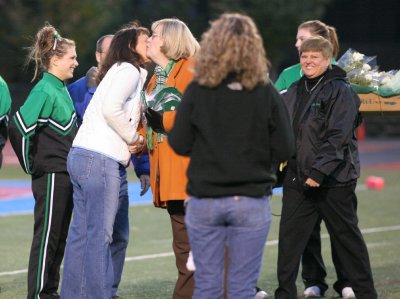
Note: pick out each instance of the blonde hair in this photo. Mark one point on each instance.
(317, 44)
(179, 42)
(232, 45)
(47, 44)
(316, 27)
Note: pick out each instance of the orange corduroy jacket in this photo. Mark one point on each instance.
(167, 169)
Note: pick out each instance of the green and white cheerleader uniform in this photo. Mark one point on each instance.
(41, 133)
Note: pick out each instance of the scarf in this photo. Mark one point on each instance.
(152, 100)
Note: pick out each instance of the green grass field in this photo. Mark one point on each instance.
(150, 267)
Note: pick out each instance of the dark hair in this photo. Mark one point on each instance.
(123, 49)
(317, 27)
(48, 43)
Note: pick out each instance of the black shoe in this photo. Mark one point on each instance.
(54, 295)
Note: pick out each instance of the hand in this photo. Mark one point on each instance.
(144, 183)
(311, 183)
(137, 146)
(155, 120)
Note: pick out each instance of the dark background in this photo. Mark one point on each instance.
(369, 26)
(372, 28)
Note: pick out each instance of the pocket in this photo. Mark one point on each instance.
(252, 212)
(199, 211)
(80, 164)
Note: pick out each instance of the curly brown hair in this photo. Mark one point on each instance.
(232, 46)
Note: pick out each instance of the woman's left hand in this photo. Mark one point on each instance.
(137, 146)
(310, 182)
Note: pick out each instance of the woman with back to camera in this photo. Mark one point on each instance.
(313, 268)
(41, 133)
(172, 48)
(102, 148)
(233, 125)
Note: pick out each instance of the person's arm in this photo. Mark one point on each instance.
(280, 83)
(340, 124)
(142, 169)
(5, 107)
(3, 138)
(181, 137)
(281, 132)
(123, 84)
(77, 91)
(5, 101)
(287, 77)
(23, 127)
(141, 164)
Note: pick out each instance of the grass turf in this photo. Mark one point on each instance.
(148, 276)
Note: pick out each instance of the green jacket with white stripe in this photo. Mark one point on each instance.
(42, 130)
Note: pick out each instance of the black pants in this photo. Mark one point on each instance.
(313, 268)
(301, 211)
(52, 213)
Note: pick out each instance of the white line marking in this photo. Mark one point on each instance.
(148, 256)
(14, 272)
(365, 231)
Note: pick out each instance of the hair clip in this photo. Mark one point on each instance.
(56, 37)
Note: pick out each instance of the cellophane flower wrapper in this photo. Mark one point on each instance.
(390, 84)
(353, 60)
(359, 69)
(364, 75)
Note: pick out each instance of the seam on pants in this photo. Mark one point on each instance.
(45, 235)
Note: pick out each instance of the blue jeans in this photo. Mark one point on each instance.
(88, 268)
(121, 232)
(242, 224)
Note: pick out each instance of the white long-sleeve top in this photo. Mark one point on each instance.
(112, 116)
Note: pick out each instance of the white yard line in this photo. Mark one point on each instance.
(365, 231)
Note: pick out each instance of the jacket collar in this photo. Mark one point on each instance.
(171, 81)
(53, 80)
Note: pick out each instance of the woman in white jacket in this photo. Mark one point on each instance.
(101, 148)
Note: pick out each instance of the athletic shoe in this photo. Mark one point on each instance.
(312, 292)
(348, 293)
(260, 294)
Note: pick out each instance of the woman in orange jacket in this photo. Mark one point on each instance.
(172, 48)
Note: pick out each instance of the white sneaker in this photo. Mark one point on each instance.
(190, 263)
(312, 292)
(348, 293)
(260, 294)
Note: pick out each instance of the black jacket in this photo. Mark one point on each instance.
(233, 138)
(326, 146)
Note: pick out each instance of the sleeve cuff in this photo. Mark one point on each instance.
(317, 176)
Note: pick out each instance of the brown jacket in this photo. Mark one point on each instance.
(168, 170)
